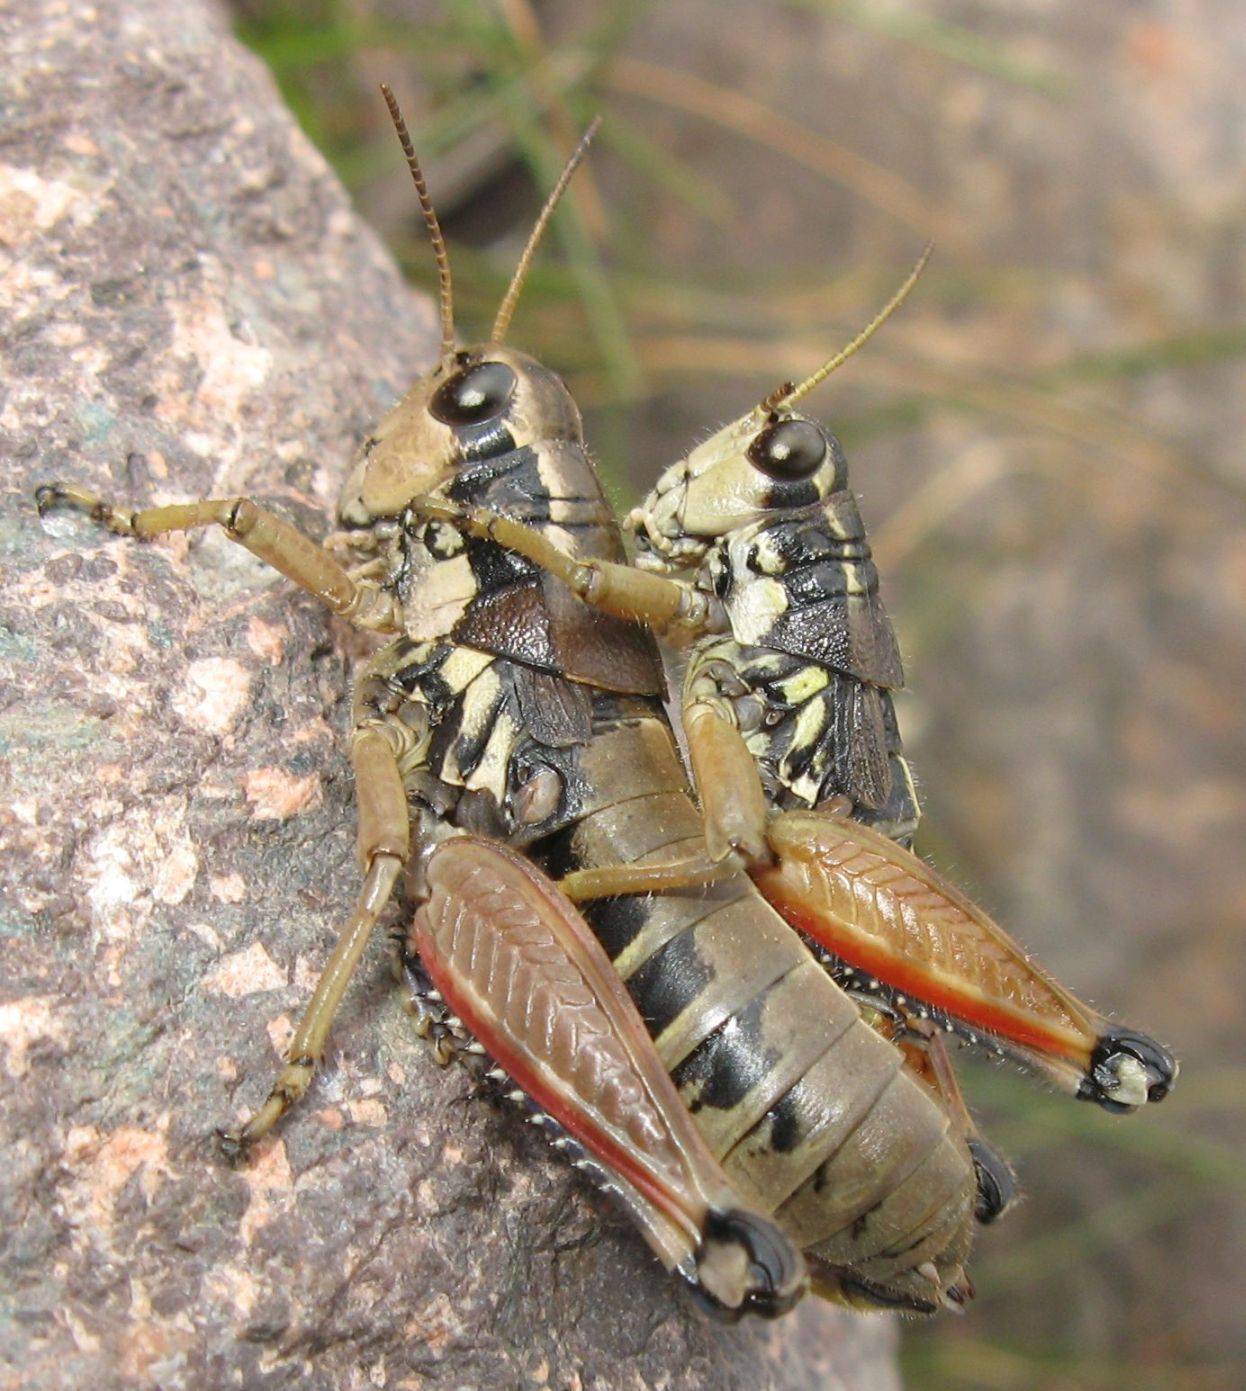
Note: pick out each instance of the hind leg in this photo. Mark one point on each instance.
(522, 973)
(887, 915)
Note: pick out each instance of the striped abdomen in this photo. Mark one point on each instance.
(811, 1113)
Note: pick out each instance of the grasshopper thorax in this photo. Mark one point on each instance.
(765, 466)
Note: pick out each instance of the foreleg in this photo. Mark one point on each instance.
(674, 608)
(733, 808)
(261, 532)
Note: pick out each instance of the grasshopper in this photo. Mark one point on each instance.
(796, 753)
(514, 761)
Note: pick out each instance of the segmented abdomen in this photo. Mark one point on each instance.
(809, 1110)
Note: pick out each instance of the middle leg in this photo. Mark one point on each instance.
(384, 845)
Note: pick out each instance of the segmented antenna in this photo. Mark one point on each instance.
(787, 393)
(507, 308)
(445, 291)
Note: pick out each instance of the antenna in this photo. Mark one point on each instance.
(445, 291)
(787, 393)
(511, 298)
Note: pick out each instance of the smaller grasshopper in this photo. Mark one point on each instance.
(796, 755)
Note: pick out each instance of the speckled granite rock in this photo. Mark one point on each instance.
(190, 306)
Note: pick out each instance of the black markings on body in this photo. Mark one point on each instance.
(617, 922)
(790, 495)
(420, 670)
(486, 440)
(672, 979)
(727, 1065)
(787, 1128)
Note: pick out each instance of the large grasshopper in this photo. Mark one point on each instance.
(797, 758)
(686, 1047)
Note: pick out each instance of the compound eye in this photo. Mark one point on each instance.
(789, 450)
(480, 393)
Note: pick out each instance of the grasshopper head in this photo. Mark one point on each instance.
(765, 465)
(476, 403)
(769, 463)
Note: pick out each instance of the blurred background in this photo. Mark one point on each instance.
(1047, 445)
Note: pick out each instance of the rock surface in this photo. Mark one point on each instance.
(191, 308)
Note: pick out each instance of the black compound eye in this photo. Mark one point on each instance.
(789, 450)
(480, 393)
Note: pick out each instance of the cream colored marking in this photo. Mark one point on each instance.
(808, 787)
(463, 666)
(490, 773)
(810, 725)
(769, 560)
(446, 589)
(476, 713)
(763, 664)
(754, 608)
(806, 682)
